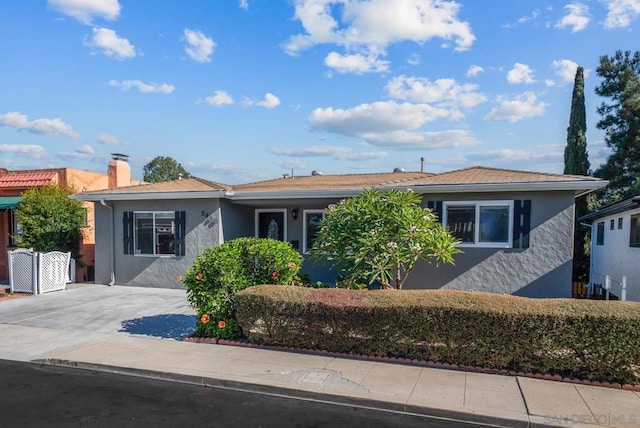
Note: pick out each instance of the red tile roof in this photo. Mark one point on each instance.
(27, 179)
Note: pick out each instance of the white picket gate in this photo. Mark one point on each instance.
(37, 273)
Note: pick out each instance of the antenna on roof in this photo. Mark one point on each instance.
(421, 164)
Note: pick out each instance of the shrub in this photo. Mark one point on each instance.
(578, 338)
(220, 272)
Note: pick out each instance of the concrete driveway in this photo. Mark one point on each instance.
(32, 327)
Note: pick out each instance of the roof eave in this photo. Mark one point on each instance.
(579, 187)
(144, 196)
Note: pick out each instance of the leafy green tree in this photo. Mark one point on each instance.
(379, 236)
(50, 220)
(621, 123)
(163, 168)
(576, 162)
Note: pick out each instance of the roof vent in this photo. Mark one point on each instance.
(398, 169)
(314, 172)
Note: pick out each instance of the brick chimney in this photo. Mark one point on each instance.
(119, 171)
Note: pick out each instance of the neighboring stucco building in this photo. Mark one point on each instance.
(516, 226)
(615, 247)
(14, 183)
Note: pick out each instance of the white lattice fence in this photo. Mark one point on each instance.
(23, 271)
(37, 273)
(53, 269)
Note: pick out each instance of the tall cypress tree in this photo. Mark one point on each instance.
(576, 161)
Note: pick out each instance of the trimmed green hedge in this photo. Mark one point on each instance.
(587, 339)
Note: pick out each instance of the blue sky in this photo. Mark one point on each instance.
(246, 90)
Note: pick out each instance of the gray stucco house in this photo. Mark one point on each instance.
(516, 226)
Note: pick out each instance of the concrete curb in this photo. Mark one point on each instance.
(292, 393)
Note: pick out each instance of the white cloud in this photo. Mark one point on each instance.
(577, 17)
(474, 70)
(143, 87)
(520, 107)
(199, 46)
(565, 69)
(520, 73)
(32, 151)
(86, 149)
(390, 124)
(404, 140)
(270, 101)
(19, 121)
(219, 98)
(356, 63)
(382, 116)
(111, 44)
(368, 27)
(621, 12)
(109, 140)
(441, 92)
(85, 10)
(545, 158)
(244, 4)
(338, 153)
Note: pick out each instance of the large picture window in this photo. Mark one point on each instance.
(154, 232)
(312, 219)
(634, 239)
(480, 223)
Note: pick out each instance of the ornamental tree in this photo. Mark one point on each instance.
(379, 236)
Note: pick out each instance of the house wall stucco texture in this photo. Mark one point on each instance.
(202, 231)
(542, 270)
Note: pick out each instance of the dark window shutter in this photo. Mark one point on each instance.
(178, 243)
(127, 232)
(521, 223)
(436, 207)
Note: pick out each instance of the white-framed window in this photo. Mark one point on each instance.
(312, 219)
(154, 232)
(271, 223)
(480, 223)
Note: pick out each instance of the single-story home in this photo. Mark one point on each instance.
(516, 227)
(615, 248)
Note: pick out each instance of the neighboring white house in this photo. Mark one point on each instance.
(615, 247)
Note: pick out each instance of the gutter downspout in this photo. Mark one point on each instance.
(111, 245)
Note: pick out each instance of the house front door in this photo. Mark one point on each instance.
(271, 225)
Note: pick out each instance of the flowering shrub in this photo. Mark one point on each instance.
(220, 272)
(379, 236)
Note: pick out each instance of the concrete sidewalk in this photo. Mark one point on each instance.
(137, 331)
